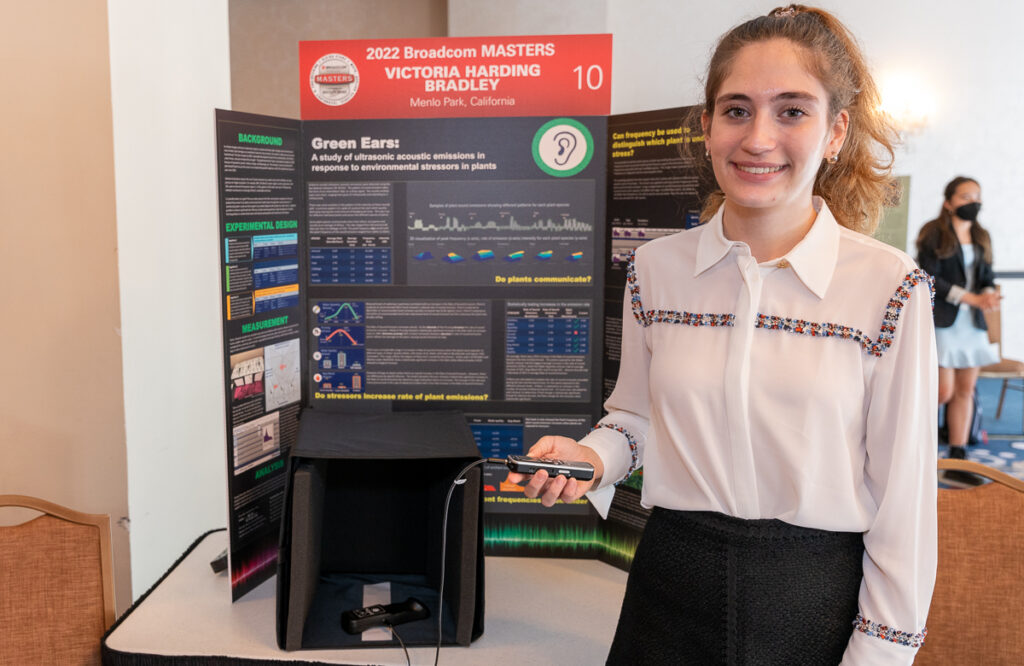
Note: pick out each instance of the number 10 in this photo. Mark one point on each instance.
(595, 77)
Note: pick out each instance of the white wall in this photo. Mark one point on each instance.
(966, 56)
(169, 70)
(474, 18)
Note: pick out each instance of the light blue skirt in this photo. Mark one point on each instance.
(962, 345)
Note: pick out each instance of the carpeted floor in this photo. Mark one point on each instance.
(1009, 422)
(1004, 449)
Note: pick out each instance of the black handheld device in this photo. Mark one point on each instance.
(571, 469)
(358, 620)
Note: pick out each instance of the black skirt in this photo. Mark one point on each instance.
(706, 589)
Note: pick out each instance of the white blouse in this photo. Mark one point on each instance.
(801, 389)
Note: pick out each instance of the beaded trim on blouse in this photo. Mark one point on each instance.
(887, 633)
(633, 452)
(787, 324)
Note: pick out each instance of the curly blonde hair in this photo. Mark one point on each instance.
(860, 183)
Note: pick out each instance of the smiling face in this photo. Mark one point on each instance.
(770, 130)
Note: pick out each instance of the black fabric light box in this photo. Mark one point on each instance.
(364, 505)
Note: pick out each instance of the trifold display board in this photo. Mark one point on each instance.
(263, 229)
(392, 265)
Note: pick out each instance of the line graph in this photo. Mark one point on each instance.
(343, 332)
(470, 232)
(341, 312)
(506, 222)
(340, 336)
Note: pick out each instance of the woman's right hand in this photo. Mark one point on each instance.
(550, 490)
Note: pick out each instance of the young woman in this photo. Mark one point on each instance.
(777, 383)
(955, 250)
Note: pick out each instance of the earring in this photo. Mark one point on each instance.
(707, 154)
(833, 159)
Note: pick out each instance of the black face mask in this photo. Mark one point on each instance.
(968, 211)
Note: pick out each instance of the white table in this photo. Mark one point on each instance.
(537, 611)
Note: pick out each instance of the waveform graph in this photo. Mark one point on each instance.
(249, 563)
(541, 535)
(339, 336)
(559, 537)
(620, 546)
(471, 232)
(562, 539)
(504, 221)
(340, 312)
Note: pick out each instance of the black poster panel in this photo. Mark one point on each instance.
(458, 263)
(451, 265)
(262, 230)
(657, 181)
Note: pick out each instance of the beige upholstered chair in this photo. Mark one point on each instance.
(976, 611)
(1007, 369)
(56, 585)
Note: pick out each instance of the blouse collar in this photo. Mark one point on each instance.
(813, 259)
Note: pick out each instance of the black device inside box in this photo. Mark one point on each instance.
(364, 504)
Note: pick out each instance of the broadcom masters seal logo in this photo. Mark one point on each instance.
(334, 79)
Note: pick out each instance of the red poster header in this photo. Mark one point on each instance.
(456, 77)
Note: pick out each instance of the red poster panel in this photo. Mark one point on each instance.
(456, 77)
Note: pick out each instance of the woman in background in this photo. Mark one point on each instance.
(777, 383)
(957, 251)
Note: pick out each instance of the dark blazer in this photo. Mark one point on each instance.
(951, 271)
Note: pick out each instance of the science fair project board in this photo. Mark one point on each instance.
(433, 235)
